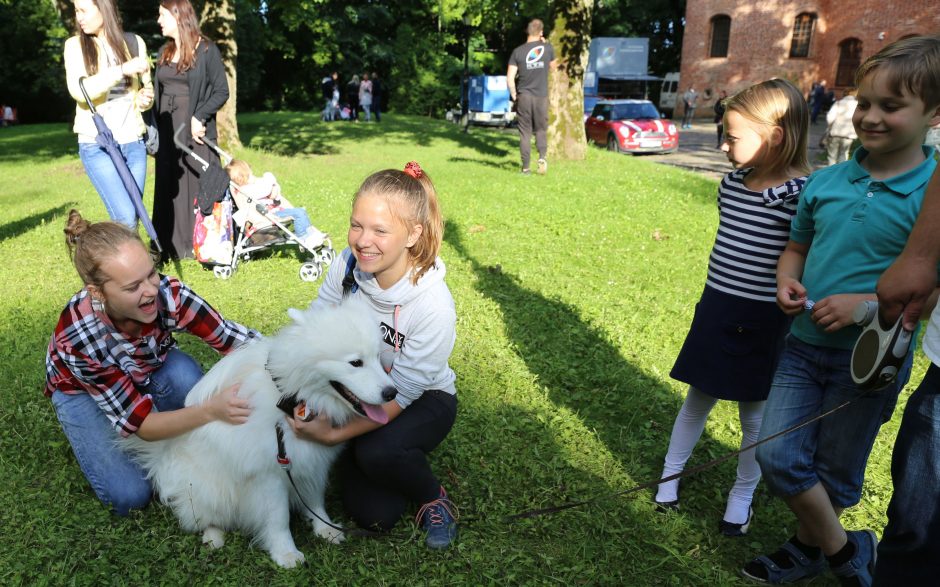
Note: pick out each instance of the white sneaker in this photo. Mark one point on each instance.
(542, 167)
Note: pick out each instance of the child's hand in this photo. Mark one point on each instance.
(318, 429)
(834, 312)
(228, 407)
(791, 295)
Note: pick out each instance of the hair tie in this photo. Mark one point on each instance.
(413, 169)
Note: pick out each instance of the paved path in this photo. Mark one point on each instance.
(697, 151)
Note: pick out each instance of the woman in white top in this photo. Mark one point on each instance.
(120, 88)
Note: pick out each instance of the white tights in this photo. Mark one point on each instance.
(685, 434)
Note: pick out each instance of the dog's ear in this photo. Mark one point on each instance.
(296, 315)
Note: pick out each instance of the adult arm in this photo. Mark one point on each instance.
(144, 100)
(100, 84)
(833, 113)
(217, 93)
(130, 411)
(320, 428)
(511, 72)
(225, 406)
(906, 285)
(552, 61)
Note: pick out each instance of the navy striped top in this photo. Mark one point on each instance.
(753, 229)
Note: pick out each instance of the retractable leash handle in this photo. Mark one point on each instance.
(881, 349)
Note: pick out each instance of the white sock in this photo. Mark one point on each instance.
(741, 494)
(690, 422)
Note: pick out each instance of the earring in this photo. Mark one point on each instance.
(97, 305)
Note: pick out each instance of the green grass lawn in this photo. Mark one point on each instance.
(574, 292)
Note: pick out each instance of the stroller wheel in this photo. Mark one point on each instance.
(310, 271)
(222, 271)
(325, 256)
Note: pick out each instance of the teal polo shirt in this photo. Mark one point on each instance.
(856, 226)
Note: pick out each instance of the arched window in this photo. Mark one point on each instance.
(850, 57)
(721, 32)
(803, 27)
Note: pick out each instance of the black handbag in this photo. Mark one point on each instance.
(152, 136)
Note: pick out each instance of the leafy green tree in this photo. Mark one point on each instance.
(32, 78)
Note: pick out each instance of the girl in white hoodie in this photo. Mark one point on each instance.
(395, 233)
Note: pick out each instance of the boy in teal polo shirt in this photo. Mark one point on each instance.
(852, 222)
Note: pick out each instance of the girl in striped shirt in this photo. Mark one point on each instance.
(737, 332)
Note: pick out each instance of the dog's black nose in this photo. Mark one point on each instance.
(389, 393)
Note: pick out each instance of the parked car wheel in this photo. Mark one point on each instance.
(613, 144)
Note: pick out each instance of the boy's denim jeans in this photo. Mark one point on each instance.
(116, 479)
(910, 548)
(105, 178)
(811, 380)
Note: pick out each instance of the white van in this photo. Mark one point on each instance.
(669, 93)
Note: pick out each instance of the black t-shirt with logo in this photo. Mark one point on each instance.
(532, 59)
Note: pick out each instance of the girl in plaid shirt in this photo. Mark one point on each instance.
(113, 368)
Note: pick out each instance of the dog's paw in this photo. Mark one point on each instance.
(331, 535)
(288, 559)
(213, 537)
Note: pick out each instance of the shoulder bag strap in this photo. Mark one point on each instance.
(349, 280)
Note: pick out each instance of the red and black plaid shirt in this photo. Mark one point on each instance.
(87, 354)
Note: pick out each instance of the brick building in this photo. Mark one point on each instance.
(731, 44)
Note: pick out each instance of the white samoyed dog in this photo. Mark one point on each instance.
(222, 477)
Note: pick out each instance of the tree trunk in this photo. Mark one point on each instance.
(571, 38)
(218, 23)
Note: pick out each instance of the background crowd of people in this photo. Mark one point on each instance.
(362, 94)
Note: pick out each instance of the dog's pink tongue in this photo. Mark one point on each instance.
(375, 413)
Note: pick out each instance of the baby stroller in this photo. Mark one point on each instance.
(231, 227)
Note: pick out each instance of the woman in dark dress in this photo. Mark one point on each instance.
(190, 87)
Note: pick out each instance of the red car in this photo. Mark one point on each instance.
(631, 126)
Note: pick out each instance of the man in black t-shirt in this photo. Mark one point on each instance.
(531, 62)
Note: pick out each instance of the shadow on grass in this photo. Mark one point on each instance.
(24, 225)
(303, 133)
(631, 412)
(36, 143)
(501, 165)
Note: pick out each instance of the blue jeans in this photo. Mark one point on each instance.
(116, 479)
(809, 381)
(910, 548)
(105, 178)
(301, 221)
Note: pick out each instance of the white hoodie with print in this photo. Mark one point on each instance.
(425, 326)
